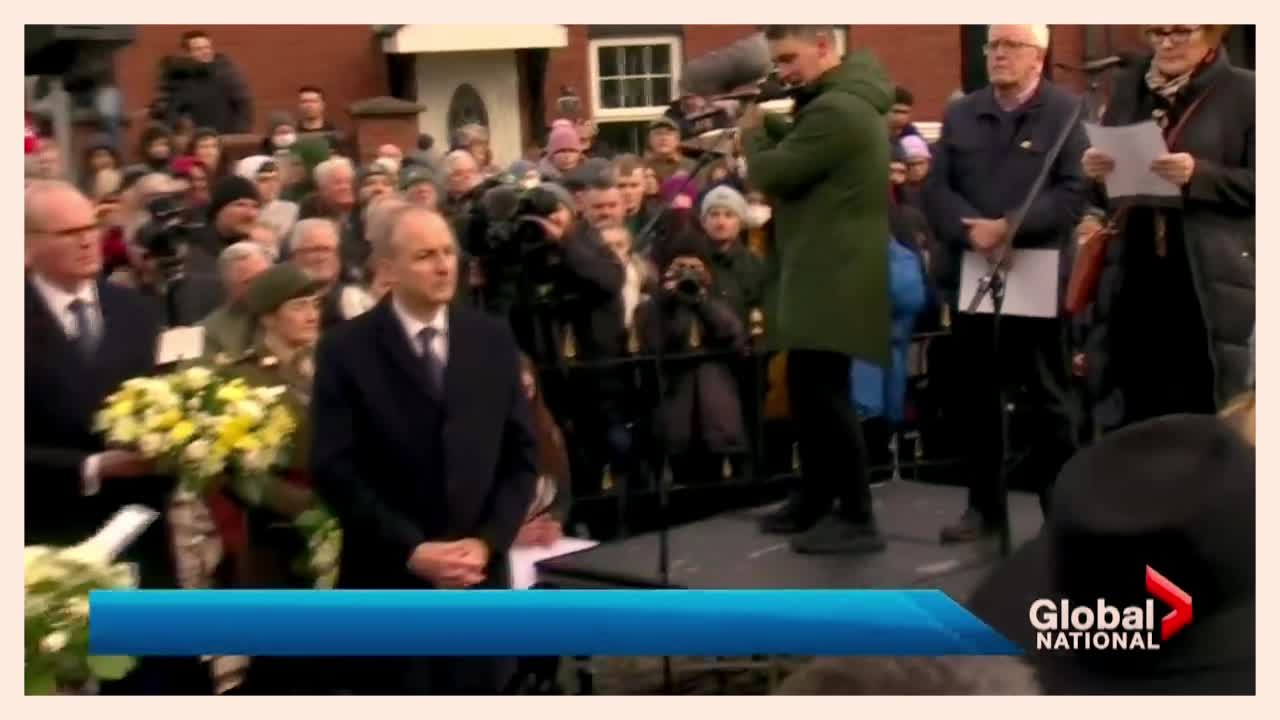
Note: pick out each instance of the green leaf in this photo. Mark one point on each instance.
(40, 682)
(110, 667)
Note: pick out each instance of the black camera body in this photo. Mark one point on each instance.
(688, 284)
(165, 237)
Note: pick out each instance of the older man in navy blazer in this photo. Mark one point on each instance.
(423, 446)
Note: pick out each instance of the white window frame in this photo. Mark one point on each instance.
(634, 114)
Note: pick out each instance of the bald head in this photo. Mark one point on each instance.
(62, 239)
(420, 260)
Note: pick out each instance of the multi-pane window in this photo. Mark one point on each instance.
(634, 78)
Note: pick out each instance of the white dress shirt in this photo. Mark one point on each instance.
(59, 303)
(413, 328)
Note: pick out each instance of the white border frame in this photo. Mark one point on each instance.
(637, 114)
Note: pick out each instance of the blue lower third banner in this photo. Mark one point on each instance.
(535, 622)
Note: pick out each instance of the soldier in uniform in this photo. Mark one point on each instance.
(285, 305)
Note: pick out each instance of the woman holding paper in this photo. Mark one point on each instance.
(1175, 302)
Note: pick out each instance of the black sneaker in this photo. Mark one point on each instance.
(795, 516)
(835, 535)
(971, 527)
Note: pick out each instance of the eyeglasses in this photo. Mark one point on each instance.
(994, 46)
(73, 232)
(1176, 34)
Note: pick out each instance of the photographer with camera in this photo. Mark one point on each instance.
(700, 416)
(569, 314)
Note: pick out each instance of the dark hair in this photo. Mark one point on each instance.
(190, 35)
(903, 96)
(603, 182)
(204, 132)
(425, 142)
(311, 89)
(804, 32)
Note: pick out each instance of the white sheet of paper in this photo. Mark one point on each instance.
(524, 560)
(123, 528)
(180, 343)
(1134, 148)
(1031, 284)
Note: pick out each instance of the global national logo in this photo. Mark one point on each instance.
(1062, 626)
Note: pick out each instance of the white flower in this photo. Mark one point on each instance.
(251, 410)
(151, 444)
(268, 395)
(197, 378)
(78, 608)
(54, 641)
(197, 451)
(256, 460)
(193, 404)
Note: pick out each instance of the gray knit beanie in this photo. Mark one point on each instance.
(725, 197)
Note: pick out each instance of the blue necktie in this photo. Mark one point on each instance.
(85, 340)
(435, 371)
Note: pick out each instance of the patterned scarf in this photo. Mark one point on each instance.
(1169, 88)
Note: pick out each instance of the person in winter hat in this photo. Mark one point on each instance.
(564, 151)
(918, 158)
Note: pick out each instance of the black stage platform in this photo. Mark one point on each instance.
(729, 552)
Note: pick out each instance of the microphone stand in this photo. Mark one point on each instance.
(664, 495)
(993, 285)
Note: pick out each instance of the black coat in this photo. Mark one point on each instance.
(395, 484)
(1213, 233)
(63, 392)
(214, 94)
(701, 405)
(986, 162)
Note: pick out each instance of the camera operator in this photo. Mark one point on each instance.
(700, 415)
(825, 175)
(569, 311)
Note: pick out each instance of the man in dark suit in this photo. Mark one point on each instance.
(83, 339)
(423, 446)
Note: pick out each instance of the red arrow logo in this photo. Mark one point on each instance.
(1174, 597)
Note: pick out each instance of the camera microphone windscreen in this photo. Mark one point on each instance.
(728, 69)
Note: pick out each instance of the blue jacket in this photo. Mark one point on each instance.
(881, 393)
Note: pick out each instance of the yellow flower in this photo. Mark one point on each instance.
(125, 431)
(164, 420)
(248, 444)
(121, 408)
(230, 432)
(182, 431)
(233, 391)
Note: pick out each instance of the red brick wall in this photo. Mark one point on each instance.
(925, 58)
(346, 60)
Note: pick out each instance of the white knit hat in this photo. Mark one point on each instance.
(725, 197)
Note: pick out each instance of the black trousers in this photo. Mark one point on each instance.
(833, 455)
(1031, 370)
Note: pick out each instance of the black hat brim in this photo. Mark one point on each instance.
(1213, 656)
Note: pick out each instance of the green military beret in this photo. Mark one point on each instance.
(278, 285)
